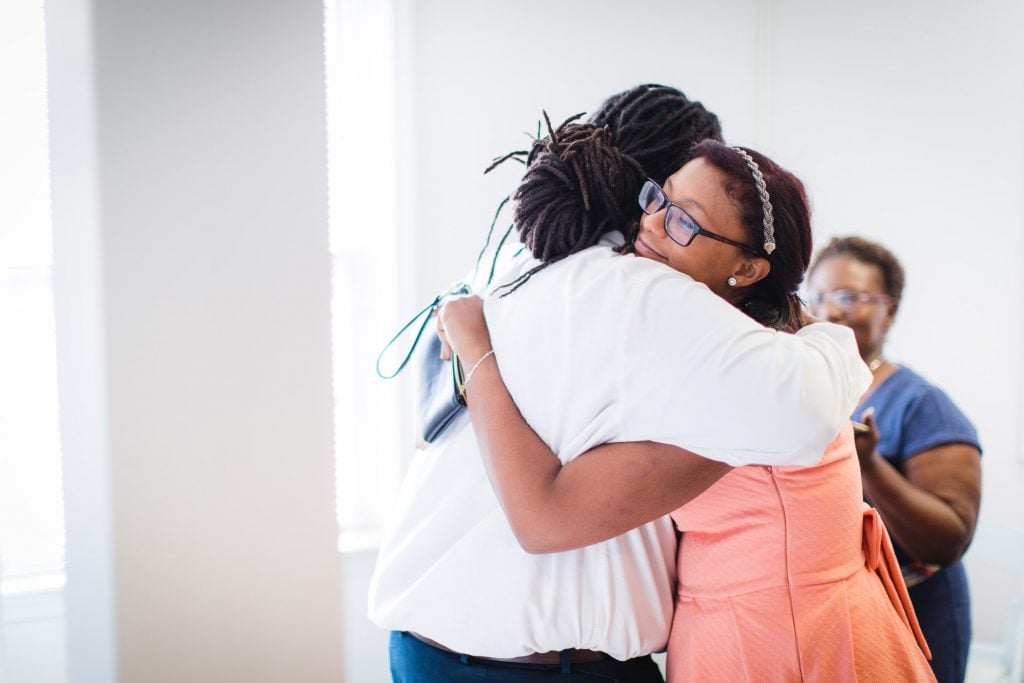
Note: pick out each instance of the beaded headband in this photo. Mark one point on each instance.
(766, 202)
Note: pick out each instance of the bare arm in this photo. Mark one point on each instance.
(932, 511)
(551, 507)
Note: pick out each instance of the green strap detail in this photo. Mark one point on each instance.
(457, 288)
(429, 310)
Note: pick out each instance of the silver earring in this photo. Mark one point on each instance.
(731, 282)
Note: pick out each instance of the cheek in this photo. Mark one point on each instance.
(869, 328)
(862, 333)
(878, 326)
(683, 259)
(701, 269)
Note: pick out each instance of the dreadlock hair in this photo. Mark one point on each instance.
(577, 186)
(658, 126)
(650, 127)
(773, 300)
(871, 253)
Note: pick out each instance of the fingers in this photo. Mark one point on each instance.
(446, 348)
(871, 436)
(461, 323)
(869, 420)
(460, 309)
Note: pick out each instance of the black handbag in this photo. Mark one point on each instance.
(440, 390)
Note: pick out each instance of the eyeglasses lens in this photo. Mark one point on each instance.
(679, 225)
(847, 300)
(841, 298)
(651, 198)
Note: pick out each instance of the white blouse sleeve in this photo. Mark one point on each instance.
(699, 374)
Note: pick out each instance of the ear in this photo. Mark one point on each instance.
(751, 271)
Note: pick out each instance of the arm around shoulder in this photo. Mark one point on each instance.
(710, 379)
(601, 494)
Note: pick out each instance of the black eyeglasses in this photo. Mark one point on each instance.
(679, 225)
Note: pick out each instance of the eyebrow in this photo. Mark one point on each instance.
(689, 201)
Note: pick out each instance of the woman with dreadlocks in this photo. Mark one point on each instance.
(783, 572)
(464, 601)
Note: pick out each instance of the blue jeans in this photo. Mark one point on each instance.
(413, 661)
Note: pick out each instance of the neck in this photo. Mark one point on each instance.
(875, 363)
(734, 297)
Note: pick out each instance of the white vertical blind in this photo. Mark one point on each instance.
(364, 201)
(31, 500)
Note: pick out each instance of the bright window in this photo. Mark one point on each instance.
(31, 498)
(361, 91)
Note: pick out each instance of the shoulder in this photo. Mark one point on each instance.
(656, 289)
(915, 392)
(521, 262)
(602, 273)
(927, 416)
(646, 272)
(898, 392)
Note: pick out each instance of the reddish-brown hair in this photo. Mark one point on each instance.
(772, 301)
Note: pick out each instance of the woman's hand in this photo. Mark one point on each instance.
(803, 320)
(867, 441)
(931, 507)
(806, 318)
(463, 329)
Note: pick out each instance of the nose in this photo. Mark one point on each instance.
(654, 222)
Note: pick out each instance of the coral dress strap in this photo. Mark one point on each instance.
(880, 558)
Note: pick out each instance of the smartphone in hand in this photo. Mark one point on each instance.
(860, 427)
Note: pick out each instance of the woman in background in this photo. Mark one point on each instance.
(921, 460)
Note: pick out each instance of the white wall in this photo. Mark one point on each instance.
(193, 308)
(365, 649)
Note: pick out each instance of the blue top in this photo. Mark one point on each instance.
(913, 416)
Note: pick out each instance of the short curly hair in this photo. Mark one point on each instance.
(868, 252)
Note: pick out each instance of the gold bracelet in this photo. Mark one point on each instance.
(469, 376)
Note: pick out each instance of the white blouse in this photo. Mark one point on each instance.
(595, 348)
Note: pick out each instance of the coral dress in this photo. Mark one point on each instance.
(785, 574)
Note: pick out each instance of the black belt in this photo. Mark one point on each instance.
(575, 656)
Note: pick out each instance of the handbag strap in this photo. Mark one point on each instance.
(427, 311)
(487, 243)
(456, 288)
